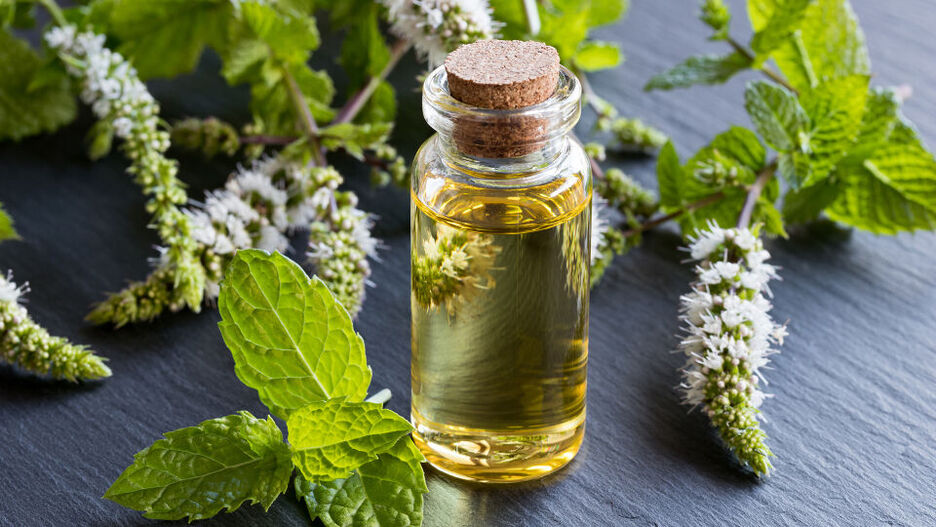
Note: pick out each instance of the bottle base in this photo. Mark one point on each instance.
(498, 457)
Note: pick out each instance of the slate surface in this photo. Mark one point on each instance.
(853, 422)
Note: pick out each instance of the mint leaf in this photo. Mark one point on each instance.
(600, 12)
(776, 114)
(778, 28)
(828, 42)
(742, 145)
(594, 56)
(25, 112)
(330, 439)
(767, 214)
(364, 52)
(701, 69)
(382, 493)
(892, 190)
(165, 38)
(806, 204)
(835, 109)
(291, 340)
(200, 470)
(7, 232)
(670, 177)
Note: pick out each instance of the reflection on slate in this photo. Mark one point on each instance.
(853, 422)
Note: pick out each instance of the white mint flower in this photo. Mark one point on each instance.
(437, 27)
(729, 334)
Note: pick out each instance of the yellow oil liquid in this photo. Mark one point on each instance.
(500, 327)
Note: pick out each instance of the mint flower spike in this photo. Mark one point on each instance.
(117, 96)
(29, 346)
(339, 245)
(436, 27)
(258, 206)
(729, 335)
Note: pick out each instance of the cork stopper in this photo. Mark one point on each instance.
(502, 75)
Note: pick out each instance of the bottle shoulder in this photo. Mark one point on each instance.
(501, 200)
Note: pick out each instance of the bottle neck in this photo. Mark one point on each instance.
(551, 152)
(513, 141)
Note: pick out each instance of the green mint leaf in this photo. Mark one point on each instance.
(200, 470)
(7, 232)
(670, 176)
(165, 38)
(776, 114)
(701, 69)
(806, 204)
(564, 29)
(835, 109)
(290, 37)
(291, 340)
(600, 12)
(892, 190)
(784, 19)
(383, 493)
(594, 56)
(331, 438)
(100, 139)
(767, 214)
(742, 145)
(364, 52)
(25, 112)
(828, 42)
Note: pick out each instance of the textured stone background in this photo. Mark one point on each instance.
(853, 422)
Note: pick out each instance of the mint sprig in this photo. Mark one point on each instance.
(295, 344)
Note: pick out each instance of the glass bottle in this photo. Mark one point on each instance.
(500, 276)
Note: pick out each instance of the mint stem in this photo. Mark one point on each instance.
(357, 101)
(773, 75)
(305, 117)
(744, 219)
(55, 11)
(380, 397)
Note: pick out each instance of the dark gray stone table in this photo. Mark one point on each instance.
(853, 422)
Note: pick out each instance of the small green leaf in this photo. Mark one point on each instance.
(355, 138)
(165, 38)
(826, 44)
(200, 470)
(100, 139)
(601, 12)
(743, 145)
(701, 69)
(291, 340)
(594, 56)
(25, 112)
(783, 21)
(806, 204)
(7, 232)
(776, 114)
(669, 176)
(330, 439)
(892, 190)
(881, 115)
(383, 493)
(767, 214)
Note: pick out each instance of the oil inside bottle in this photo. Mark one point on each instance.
(500, 326)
